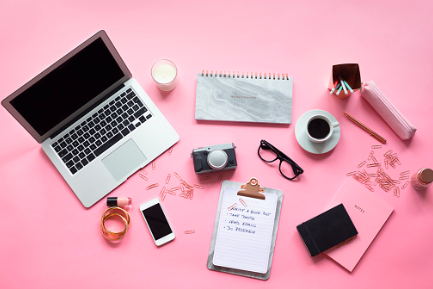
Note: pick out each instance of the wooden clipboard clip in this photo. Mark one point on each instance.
(252, 189)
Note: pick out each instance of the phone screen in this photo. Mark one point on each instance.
(157, 221)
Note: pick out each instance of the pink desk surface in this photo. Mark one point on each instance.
(49, 240)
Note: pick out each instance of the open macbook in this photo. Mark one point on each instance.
(94, 121)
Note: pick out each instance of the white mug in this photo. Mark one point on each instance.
(321, 129)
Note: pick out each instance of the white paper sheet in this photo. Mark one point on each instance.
(245, 232)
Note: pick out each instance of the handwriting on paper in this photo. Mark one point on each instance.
(245, 232)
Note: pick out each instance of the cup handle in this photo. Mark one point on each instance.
(335, 124)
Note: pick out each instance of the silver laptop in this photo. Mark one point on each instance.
(95, 122)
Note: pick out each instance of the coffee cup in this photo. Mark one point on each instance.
(320, 128)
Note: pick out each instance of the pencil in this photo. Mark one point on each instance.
(372, 133)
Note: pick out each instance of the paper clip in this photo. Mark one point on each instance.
(405, 185)
(405, 173)
(243, 202)
(168, 178)
(187, 185)
(373, 165)
(197, 186)
(369, 187)
(152, 186)
(351, 174)
(361, 164)
(153, 165)
(397, 192)
(370, 155)
(189, 231)
(232, 207)
(376, 147)
(178, 177)
(188, 194)
(171, 192)
(162, 191)
(143, 177)
(385, 181)
(361, 177)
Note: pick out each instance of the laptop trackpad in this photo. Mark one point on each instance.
(124, 160)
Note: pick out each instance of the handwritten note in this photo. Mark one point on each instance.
(245, 230)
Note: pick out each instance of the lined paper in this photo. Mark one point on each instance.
(245, 230)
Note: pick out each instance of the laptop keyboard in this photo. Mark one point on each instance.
(84, 142)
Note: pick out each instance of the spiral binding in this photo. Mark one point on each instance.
(253, 75)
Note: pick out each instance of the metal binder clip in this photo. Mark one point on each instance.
(252, 189)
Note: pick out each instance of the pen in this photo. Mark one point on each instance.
(336, 85)
(348, 87)
(339, 90)
(344, 87)
(372, 133)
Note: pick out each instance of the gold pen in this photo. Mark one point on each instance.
(372, 133)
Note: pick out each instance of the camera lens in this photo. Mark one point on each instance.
(217, 159)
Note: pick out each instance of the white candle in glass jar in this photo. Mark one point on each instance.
(164, 72)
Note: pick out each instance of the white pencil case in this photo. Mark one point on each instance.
(377, 99)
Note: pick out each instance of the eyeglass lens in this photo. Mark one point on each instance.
(267, 154)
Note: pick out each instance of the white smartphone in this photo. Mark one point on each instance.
(157, 222)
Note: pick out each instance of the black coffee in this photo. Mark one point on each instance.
(318, 128)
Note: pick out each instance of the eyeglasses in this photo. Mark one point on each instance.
(288, 168)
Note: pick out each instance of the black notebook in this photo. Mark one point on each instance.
(327, 230)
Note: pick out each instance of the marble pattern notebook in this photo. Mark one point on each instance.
(259, 98)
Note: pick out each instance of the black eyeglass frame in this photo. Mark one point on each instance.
(297, 170)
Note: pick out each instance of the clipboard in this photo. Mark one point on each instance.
(249, 190)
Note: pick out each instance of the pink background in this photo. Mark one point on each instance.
(50, 240)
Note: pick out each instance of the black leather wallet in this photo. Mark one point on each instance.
(327, 230)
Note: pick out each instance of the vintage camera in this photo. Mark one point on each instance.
(214, 158)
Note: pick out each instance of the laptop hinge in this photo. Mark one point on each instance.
(108, 95)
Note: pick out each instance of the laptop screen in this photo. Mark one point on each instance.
(67, 88)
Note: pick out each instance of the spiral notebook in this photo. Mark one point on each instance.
(245, 97)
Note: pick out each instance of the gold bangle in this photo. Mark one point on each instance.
(108, 232)
(111, 212)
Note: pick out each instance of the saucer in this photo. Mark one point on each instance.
(309, 146)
